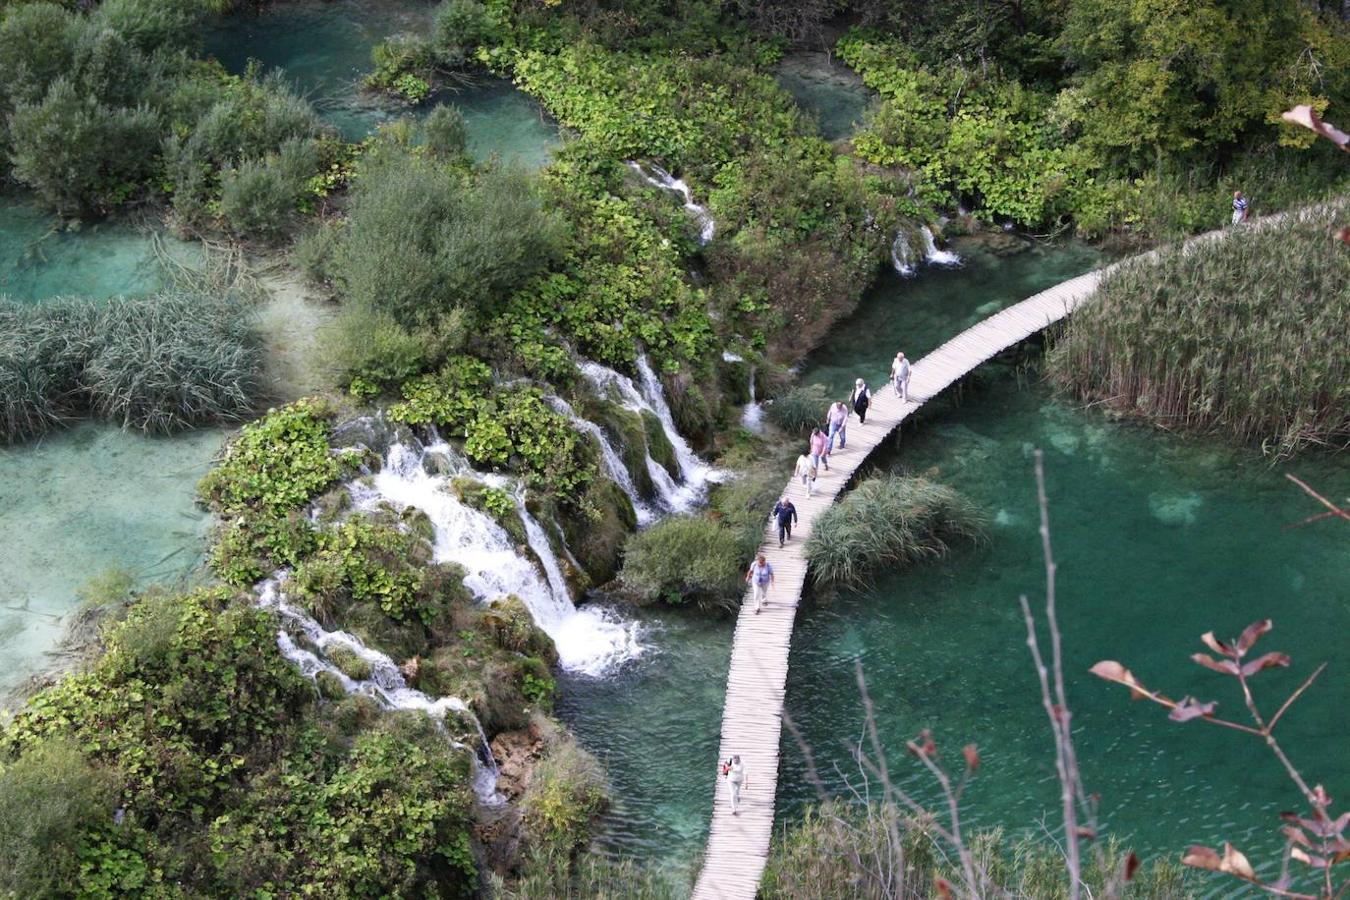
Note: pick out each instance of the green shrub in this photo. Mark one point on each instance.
(371, 351)
(566, 795)
(81, 156)
(461, 25)
(684, 558)
(400, 62)
(446, 135)
(890, 520)
(37, 45)
(364, 562)
(154, 24)
(1242, 334)
(800, 408)
(449, 398)
(258, 197)
(421, 242)
(51, 799)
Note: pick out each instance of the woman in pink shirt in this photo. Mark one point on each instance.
(820, 450)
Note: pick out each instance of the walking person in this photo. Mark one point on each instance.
(760, 577)
(900, 375)
(1239, 208)
(806, 471)
(820, 452)
(861, 398)
(785, 513)
(836, 422)
(734, 771)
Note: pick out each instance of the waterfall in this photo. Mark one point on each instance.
(662, 179)
(614, 465)
(386, 685)
(902, 258)
(589, 641)
(932, 255)
(752, 415)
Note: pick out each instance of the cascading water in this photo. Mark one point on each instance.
(589, 640)
(614, 465)
(678, 497)
(663, 179)
(752, 415)
(385, 685)
(932, 255)
(902, 258)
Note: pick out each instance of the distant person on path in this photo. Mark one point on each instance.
(806, 471)
(1239, 208)
(760, 576)
(861, 398)
(836, 422)
(734, 770)
(900, 375)
(820, 451)
(786, 514)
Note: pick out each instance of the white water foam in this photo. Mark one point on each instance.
(752, 414)
(386, 685)
(902, 258)
(932, 255)
(663, 179)
(589, 641)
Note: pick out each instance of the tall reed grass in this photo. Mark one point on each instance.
(161, 363)
(1245, 334)
(890, 520)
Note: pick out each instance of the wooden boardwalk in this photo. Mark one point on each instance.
(738, 846)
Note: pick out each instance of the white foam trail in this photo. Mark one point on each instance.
(902, 258)
(386, 685)
(614, 465)
(663, 179)
(932, 255)
(587, 642)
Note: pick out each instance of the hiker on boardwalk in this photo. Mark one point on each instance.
(786, 514)
(734, 771)
(820, 451)
(900, 375)
(861, 398)
(806, 471)
(760, 577)
(1239, 208)
(836, 423)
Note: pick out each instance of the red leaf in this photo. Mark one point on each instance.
(1234, 863)
(1111, 670)
(1131, 866)
(1223, 666)
(1201, 858)
(1085, 833)
(1217, 645)
(1190, 708)
(923, 745)
(972, 757)
(944, 888)
(1267, 661)
(1296, 835)
(1344, 235)
(1250, 634)
(1321, 797)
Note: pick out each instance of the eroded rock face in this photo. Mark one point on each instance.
(499, 829)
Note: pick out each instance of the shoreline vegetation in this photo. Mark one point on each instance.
(478, 302)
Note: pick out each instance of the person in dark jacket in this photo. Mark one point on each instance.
(786, 514)
(861, 398)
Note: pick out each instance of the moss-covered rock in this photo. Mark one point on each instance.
(493, 502)
(330, 686)
(566, 794)
(512, 628)
(597, 543)
(349, 663)
(659, 447)
(628, 434)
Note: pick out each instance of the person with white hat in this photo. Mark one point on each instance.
(861, 398)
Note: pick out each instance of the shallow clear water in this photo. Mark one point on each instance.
(324, 48)
(78, 503)
(1158, 538)
(654, 725)
(40, 259)
(826, 89)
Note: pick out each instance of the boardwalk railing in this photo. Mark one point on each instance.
(738, 846)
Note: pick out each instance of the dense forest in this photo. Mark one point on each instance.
(475, 303)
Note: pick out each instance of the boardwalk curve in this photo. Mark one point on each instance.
(738, 846)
